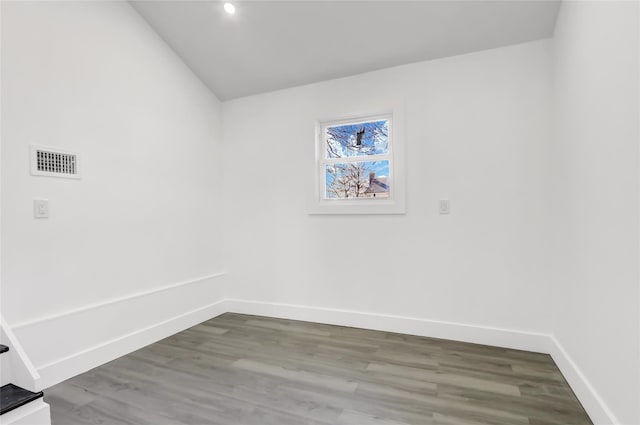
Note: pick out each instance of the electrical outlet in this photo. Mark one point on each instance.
(41, 208)
(445, 206)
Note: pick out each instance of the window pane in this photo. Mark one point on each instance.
(349, 140)
(368, 179)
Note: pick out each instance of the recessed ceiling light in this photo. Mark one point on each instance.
(229, 8)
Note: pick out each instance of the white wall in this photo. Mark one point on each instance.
(133, 251)
(478, 134)
(594, 232)
(94, 78)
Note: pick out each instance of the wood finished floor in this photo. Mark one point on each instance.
(249, 370)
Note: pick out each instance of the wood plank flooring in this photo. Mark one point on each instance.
(248, 370)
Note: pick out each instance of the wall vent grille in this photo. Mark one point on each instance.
(54, 162)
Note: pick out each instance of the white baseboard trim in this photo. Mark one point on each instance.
(34, 413)
(507, 338)
(20, 369)
(597, 409)
(70, 342)
(82, 361)
(116, 300)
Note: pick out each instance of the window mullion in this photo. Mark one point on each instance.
(367, 158)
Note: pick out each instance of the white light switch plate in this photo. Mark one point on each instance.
(445, 206)
(41, 208)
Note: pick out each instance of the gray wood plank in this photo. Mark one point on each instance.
(244, 370)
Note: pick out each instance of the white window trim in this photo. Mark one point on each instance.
(395, 204)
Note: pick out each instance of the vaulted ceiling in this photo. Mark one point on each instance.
(270, 45)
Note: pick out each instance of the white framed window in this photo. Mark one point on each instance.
(359, 167)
